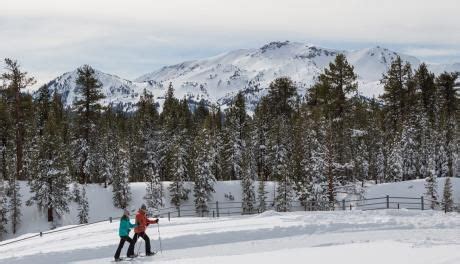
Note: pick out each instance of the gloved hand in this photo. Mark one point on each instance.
(157, 221)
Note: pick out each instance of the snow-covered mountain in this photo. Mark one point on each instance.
(217, 79)
(117, 90)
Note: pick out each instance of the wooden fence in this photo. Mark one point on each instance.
(219, 209)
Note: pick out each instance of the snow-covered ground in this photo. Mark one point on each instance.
(414, 188)
(354, 237)
(101, 205)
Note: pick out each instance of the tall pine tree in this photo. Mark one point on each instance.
(15, 80)
(88, 109)
(204, 176)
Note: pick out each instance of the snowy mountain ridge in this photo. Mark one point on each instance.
(219, 78)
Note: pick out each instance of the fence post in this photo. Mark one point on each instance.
(213, 214)
(388, 202)
(217, 208)
(110, 219)
(178, 211)
(350, 206)
(343, 204)
(422, 203)
(169, 216)
(41, 233)
(398, 205)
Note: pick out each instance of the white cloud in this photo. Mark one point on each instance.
(362, 20)
(129, 38)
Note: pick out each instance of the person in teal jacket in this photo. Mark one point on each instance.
(123, 232)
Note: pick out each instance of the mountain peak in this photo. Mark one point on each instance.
(274, 45)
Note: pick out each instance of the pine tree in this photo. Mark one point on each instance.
(76, 195)
(426, 86)
(83, 207)
(315, 182)
(109, 150)
(299, 161)
(96, 159)
(216, 118)
(154, 190)
(281, 150)
(247, 182)
(431, 186)
(204, 176)
(329, 157)
(177, 190)
(330, 97)
(3, 210)
(170, 124)
(284, 195)
(235, 127)
(120, 185)
(447, 196)
(395, 164)
(408, 152)
(282, 94)
(360, 155)
(5, 132)
(261, 196)
(182, 163)
(14, 204)
(449, 101)
(396, 83)
(51, 174)
(260, 139)
(440, 154)
(374, 140)
(169, 115)
(87, 107)
(16, 80)
(146, 143)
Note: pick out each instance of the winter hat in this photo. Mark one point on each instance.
(143, 207)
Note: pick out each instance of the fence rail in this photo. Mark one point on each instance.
(218, 209)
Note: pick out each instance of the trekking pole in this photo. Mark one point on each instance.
(159, 238)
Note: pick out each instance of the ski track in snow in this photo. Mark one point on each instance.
(387, 236)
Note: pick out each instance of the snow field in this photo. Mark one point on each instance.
(386, 236)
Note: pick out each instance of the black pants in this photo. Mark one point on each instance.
(120, 246)
(147, 243)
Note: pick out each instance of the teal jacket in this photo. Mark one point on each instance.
(125, 226)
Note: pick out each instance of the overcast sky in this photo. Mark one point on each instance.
(133, 37)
